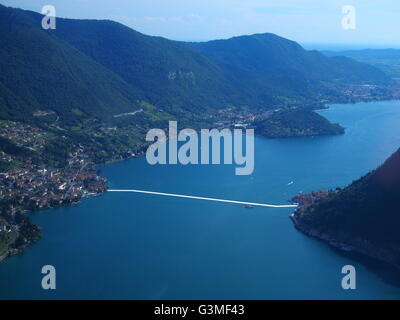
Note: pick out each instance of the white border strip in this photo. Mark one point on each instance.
(208, 199)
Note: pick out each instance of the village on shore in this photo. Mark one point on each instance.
(31, 185)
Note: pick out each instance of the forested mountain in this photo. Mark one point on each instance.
(168, 73)
(38, 71)
(270, 54)
(95, 65)
(102, 68)
(364, 217)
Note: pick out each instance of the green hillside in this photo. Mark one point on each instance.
(168, 73)
(37, 71)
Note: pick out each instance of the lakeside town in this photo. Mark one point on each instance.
(31, 184)
(34, 185)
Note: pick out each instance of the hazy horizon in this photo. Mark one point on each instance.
(313, 24)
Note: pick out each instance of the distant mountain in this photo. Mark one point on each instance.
(364, 217)
(88, 92)
(388, 60)
(92, 68)
(272, 55)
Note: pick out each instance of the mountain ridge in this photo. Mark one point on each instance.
(106, 66)
(254, 52)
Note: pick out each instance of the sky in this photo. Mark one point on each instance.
(309, 22)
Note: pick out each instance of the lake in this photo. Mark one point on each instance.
(139, 246)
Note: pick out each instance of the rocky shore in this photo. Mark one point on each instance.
(342, 241)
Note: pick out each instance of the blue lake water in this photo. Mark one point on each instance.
(137, 246)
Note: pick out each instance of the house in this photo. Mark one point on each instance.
(5, 228)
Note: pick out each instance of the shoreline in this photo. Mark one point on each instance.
(370, 250)
(4, 256)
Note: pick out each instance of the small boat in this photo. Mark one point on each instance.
(247, 206)
(290, 183)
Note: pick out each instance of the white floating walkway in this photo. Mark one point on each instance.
(208, 199)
